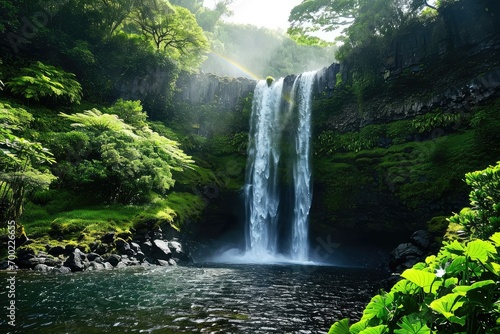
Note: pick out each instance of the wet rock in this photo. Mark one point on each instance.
(94, 257)
(108, 266)
(108, 238)
(4, 265)
(422, 239)
(172, 262)
(120, 265)
(163, 263)
(53, 262)
(62, 270)
(103, 249)
(96, 266)
(75, 261)
(35, 261)
(161, 251)
(178, 253)
(134, 246)
(56, 251)
(120, 243)
(43, 268)
(140, 256)
(113, 259)
(402, 253)
(146, 247)
(24, 255)
(69, 249)
(129, 252)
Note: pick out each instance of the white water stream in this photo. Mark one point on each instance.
(262, 190)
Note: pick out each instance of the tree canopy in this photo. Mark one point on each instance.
(374, 16)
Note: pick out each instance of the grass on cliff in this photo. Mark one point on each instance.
(85, 224)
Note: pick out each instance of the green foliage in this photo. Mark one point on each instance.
(22, 163)
(129, 111)
(483, 219)
(172, 29)
(455, 291)
(41, 81)
(435, 120)
(131, 160)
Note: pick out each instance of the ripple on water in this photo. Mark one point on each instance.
(208, 298)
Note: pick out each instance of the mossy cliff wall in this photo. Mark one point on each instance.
(386, 159)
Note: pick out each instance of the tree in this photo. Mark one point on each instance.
(328, 15)
(207, 18)
(122, 163)
(109, 14)
(22, 163)
(173, 30)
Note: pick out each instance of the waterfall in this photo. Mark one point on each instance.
(262, 191)
(302, 167)
(262, 178)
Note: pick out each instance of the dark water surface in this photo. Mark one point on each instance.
(202, 298)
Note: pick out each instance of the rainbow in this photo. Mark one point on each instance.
(238, 66)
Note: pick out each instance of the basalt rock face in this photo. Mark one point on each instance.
(200, 89)
(451, 63)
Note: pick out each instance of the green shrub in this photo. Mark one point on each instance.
(40, 81)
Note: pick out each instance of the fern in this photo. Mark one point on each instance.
(41, 81)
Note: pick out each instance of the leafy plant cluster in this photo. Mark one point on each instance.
(384, 135)
(41, 81)
(455, 291)
(24, 163)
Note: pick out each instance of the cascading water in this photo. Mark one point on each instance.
(262, 190)
(263, 156)
(302, 167)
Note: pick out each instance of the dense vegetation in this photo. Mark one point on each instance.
(454, 291)
(82, 85)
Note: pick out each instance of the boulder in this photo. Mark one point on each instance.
(422, 239)
(96, 266)
(62, 270)
(134, 246)
(402, 253)
(94, 257)
(120, 265)
(103, 249)
(108, 266)
(113, 259)
(163, 263)
(75, 261)
(120, 243)
(178, 253)
(160, 250)
(24, 255)
(56, 251)
(108, 238)
(146, 247)
(43, 268)
(140, 256)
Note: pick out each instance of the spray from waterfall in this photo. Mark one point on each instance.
(262, 190)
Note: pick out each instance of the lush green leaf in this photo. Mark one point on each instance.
(340, 327)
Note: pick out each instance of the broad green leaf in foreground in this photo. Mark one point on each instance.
(412, 325)
(378, 307)
(447, 305)
(480, 250)
(423, 279)
(340, 327)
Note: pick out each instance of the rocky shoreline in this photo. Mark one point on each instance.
(112, 251)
